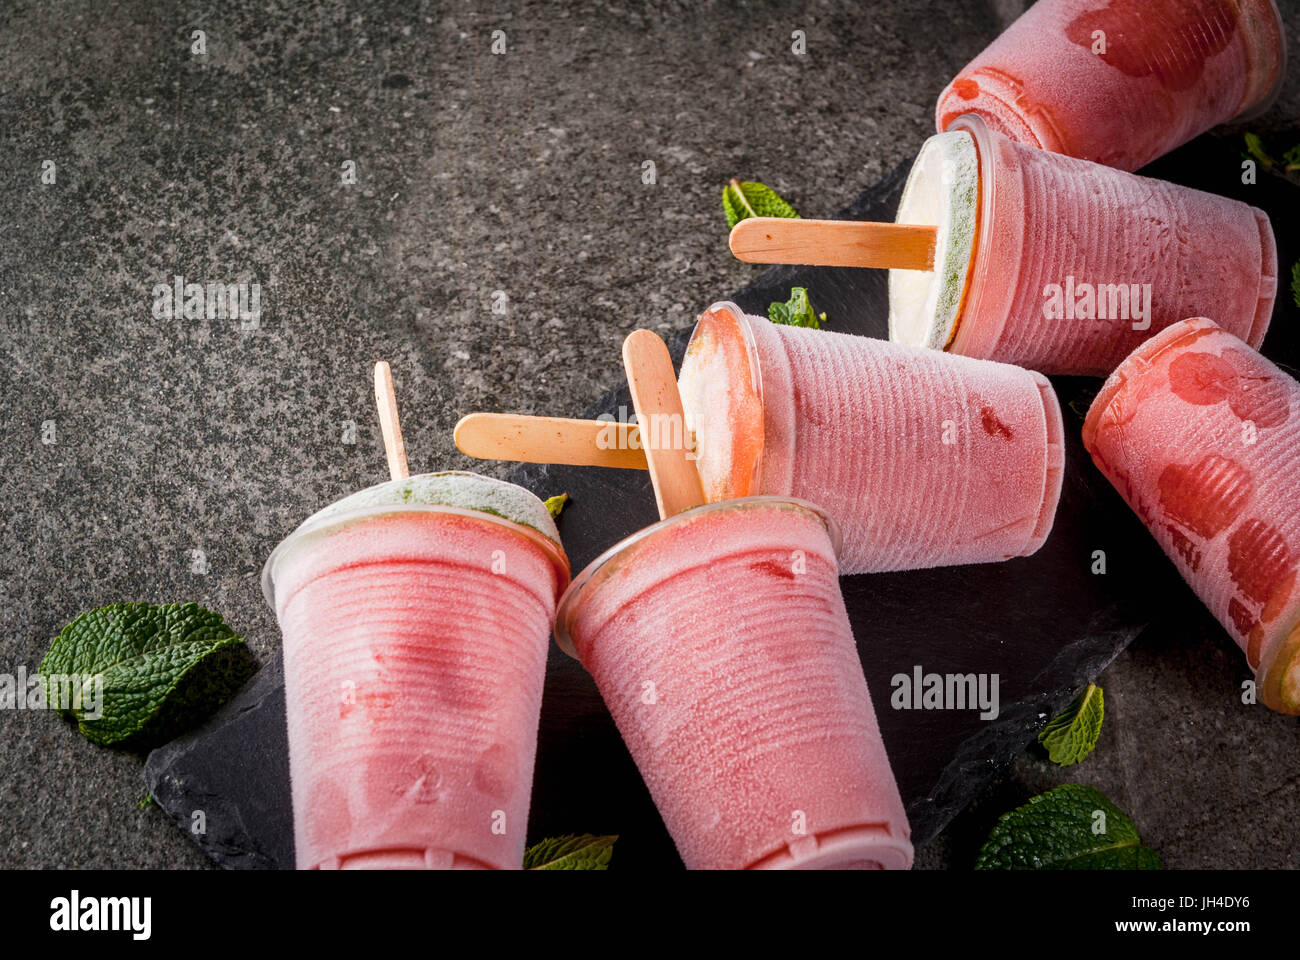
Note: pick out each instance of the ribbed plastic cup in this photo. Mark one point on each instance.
(1122, 82)
(1048, 220)
(415, 640)
(719, 641)
(923, 458)
(1201, 436)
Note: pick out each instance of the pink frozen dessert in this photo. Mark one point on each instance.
(924, 459)
(1201, 435)
(1065, 266)
(720, 643)
(1122, 82)
(416, 616)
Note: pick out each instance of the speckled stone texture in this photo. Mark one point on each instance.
(475, 173)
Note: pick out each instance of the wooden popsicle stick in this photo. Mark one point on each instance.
(834, 243)
(524, 439)
(387, 400)
(659, 411)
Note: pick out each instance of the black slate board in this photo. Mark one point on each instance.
(1045, 624)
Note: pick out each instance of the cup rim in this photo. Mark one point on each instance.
(1265, 103)
(755, 372)
(583, 579)
(1144, 353)
(1015, 124)
(320, 526)
(864, 841)
(982, 134)
(1273, 667)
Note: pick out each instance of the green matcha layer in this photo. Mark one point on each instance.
(943, 191)
(468, 491)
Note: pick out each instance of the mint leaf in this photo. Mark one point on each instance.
(1292, 158)
(143, 673)
(586, 852)
(1071, 736)
(1054, 831)
(557, 504)
(797, 311)
(740, 201)
(1295, 283)
(1255, 147)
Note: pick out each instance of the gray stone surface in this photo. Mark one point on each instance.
(476, 173)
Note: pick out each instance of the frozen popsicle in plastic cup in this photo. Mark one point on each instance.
(1065, 266)
(720, 643)
(1122, 82)
(924, 459)
(416, 616)
(1007, 252)
(1201, 435)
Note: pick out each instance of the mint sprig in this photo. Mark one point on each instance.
(797, 311)
(1255, 148)
(740, 201)
(557, 504)
(1070, 737)
(1292, 159)
(585, 852)
(143, 673)
(1295, 283)
(1072, 827)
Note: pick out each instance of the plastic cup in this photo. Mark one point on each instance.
(415, 638)
(1047, 220)
(720, 643)
(1122, 82)
(923, 458)
(1201, 436)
